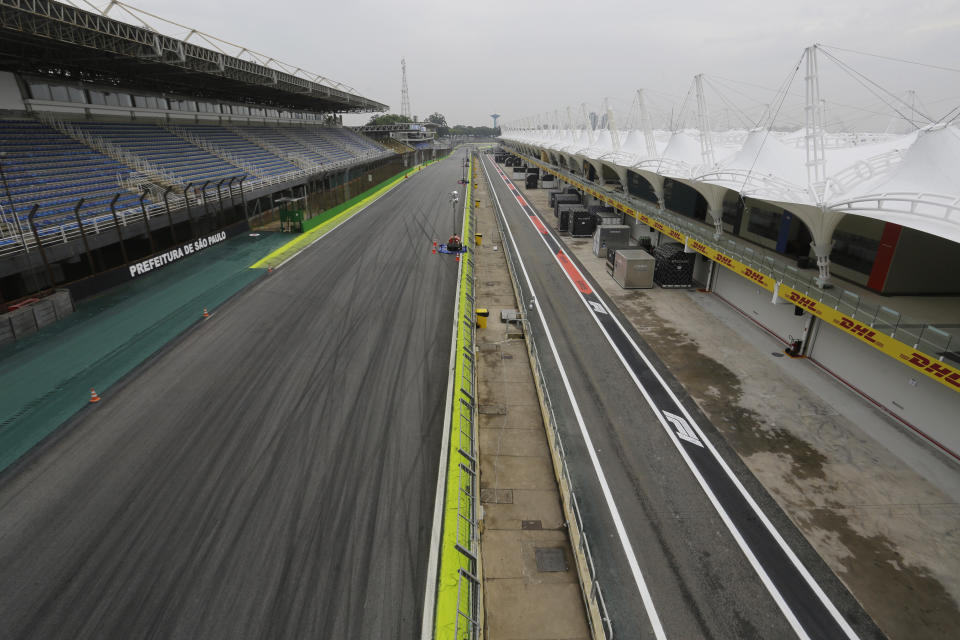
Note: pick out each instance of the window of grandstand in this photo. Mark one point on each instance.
(764, 222)
(855, 243)
(39, 91)
(732, 213)
(183, 105)
(109, 98)
(59, 93)
(638, 186)
(684, 200)
(150, 102)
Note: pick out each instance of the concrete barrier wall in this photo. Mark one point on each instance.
(755, 303)
(20, 323)
(923, 403)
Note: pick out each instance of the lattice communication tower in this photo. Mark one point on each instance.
(404, 93)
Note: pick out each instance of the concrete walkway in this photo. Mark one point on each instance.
(522, 517)
(879, 505)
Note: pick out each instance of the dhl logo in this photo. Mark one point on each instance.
(803, 301)
(753, 275)
(676, 235)
(858, 329)
(724, 260)
(698, 246)
(938, 369)
(657, 226)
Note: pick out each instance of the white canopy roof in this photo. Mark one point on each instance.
(912, 180)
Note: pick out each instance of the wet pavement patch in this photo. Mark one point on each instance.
(904, 600)
(550, 560)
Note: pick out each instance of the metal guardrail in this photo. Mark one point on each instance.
(589, 582)
(468, 621)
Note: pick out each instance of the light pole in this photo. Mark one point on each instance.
(13, 210)
(454, 199)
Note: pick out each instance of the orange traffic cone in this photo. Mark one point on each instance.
(458, 258)
(205, 314)
(93, 396)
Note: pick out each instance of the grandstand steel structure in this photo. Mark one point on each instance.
(42, 36)
(117, 139)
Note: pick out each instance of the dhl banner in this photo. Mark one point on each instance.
(918, 361)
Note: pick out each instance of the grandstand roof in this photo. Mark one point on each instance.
(52, 38)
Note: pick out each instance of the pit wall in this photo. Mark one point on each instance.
(459, 582)
(915, 387)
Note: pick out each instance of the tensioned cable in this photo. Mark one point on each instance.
(783, 96)
(675, 128)
(859, 77)
(735, 108)
(875, 55)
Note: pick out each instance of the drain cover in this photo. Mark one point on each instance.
(496, 496)
(506, 356)
(531, 524)
(550, 560)
(776, 354)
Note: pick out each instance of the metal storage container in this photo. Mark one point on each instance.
(564, 198)
(633, 268)
(565, 214)
(582, 224)
(610, 236)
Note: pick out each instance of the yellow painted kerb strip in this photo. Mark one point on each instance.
(302, 241)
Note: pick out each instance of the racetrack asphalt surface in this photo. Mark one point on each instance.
(700, 582)
(271, 474)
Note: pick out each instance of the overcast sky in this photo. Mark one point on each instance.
(520, 58)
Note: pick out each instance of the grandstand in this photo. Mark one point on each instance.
(115, 137)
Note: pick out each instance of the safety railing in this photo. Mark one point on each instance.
(590, 588)
(459, 615)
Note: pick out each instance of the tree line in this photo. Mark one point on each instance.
(438, 119)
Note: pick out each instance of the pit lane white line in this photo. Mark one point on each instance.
(774, 592)
(608, 496)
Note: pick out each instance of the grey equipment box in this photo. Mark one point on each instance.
(633, 268)
(565, 215)
(612, 236)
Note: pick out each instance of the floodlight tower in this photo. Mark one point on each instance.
(404, 93)
(495, 116)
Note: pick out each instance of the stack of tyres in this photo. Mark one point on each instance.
(674, 268)
(532, 181)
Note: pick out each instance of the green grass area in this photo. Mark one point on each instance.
(46, 378)
(318, 226)
(461, 487)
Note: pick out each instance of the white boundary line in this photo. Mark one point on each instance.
(605, 487)
(774, 592)
(433, 559)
